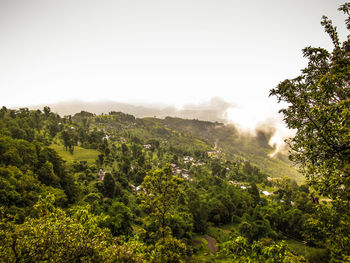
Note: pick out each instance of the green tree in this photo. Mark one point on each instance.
(254, 191)
(168, 250)
(47, 175)
(318, 109)
(47, 111)
(53, 236)
(239, 249)
(68, 140)
(160, 190)
(119, 219)
(109, 185)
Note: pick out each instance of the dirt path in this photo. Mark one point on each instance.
(211, 243)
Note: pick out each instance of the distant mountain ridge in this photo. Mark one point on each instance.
(214, 110)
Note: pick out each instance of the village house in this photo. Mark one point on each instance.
(101, 175)
(188, 159)
(210, 153)
(186, 176)
(234, 183)
(266, 193)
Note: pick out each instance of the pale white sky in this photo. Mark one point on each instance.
(158, 52)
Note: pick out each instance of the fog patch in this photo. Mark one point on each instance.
(282, 133)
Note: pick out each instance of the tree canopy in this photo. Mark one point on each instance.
(318, 109)
(318, 103)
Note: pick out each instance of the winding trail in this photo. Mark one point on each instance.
(211, 243)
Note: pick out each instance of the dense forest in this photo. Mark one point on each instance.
(115, 188)
(112, 188)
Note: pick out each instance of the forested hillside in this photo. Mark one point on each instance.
(115, 188)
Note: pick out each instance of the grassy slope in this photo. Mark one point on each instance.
(80, 154)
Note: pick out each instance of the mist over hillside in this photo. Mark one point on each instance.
(214, 110)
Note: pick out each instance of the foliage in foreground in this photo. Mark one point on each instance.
(319, 110)
(53, 236)
(240, 250)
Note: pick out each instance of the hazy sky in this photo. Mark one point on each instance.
(165, 52)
